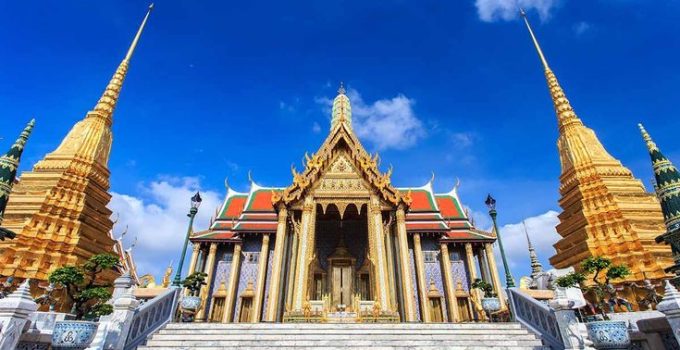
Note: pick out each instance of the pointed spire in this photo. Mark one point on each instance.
(8, 168)
(565, 113)
(667, 180)
(342, 110)
(536, 267)
(107, 102)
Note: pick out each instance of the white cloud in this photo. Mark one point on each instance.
(462, 139)
(506, 10)
(580, 28)
(157, 216)
(386, 123)
(543, 235)
(316, 128)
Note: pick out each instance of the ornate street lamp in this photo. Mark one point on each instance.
(195, 203)
(491, 204)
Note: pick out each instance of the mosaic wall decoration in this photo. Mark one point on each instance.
(270, 261)
(433, 272)
(248, 269)
(459, 273)
(416, 297)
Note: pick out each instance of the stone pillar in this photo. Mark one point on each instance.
(113, 329)
(121, 285)
(474, 293)
(234, 276)
(670, 306)
(14, 312)
(420, 276)
(403, 256)
(566, 320)
(452, 302)
(483, 270)
(377, 253)
(277, 266)
(194, 257)
(261, 277)
(493, 270)
(205, 291)
(292, 267)
(304, 255)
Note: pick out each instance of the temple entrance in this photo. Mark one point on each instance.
(341, 244)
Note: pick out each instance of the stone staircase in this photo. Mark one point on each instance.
(468, 336)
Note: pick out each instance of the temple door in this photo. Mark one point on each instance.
(342, 284)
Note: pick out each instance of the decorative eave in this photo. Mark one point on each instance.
(304, 181)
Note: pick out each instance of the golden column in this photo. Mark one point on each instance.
(474, 293)
(305, 250)
(406, 281)
(390, 266)
(377, 252)
(209, 269)
(420, 275)
(491, 263)
(291, 270)
(448, 284)
(261, 274)
(233, 284)
(277, 267)
(194, 257)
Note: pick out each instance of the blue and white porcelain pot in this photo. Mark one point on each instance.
(190, 303)
(491, 305)
(73, 334)
(609, 334)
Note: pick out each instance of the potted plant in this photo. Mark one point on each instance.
(490, 302)
(604, 333)
(88, 297)
(193, 283)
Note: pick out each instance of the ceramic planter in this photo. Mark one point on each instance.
(609, 334)
(491, 305)
(73, 334)
(190, 303)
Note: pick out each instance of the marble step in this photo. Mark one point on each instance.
(345, 332)
(416, 326)
(411, 347)
(365, 343)
(275, 337)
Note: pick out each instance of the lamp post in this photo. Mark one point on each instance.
(491, 204)
(195, 203)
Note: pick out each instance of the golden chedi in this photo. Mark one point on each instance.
(605, 210)
(58, 209)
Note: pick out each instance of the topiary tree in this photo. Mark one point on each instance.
(194, 282)
(485, 287)
(80, 285)
(604, 292)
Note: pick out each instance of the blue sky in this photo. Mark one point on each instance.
(216, 89)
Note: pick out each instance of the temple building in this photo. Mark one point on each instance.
(605, 210)
(667, 187)
(58, 210)
(342, 244)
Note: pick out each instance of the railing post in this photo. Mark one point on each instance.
(566, 320)
(113, 329)
(14, 312)
(670, 306)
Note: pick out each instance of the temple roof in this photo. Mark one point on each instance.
(429, 212)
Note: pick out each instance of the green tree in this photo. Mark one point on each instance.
(485, 287)
(81, 286)
(194, 282)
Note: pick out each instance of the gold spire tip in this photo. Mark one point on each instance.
(133, 45)
(648, 139)
(341, 89)
(533, 38)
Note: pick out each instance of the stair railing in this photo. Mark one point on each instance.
(151, 316)
(537, 317)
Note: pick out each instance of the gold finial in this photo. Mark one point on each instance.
(533, 38)
(341, 89)
(131, 50)
(648, 139)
